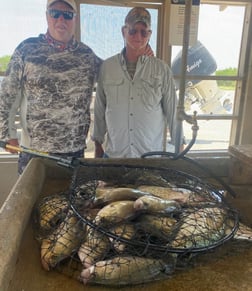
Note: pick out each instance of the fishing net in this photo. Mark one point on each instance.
(122, 225)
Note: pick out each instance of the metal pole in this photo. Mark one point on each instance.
(180, 108)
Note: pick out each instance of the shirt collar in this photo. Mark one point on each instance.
(141, 59)
(71, 45)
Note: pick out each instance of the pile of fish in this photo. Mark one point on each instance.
(130, 235)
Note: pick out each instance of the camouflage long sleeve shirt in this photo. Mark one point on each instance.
(51, 89)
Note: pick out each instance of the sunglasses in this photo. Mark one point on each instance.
(68, 15)
(144, 33)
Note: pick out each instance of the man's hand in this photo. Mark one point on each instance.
(12, 142)
(148, 51)
(99, 152)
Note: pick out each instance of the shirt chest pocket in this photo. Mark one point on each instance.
(113, 89)
(151, 92)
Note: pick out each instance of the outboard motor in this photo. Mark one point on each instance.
(199, 62)
(205, 93)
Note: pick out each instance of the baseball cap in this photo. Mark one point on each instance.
(138, 14)
(69, 2)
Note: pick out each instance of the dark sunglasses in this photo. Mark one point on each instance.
(68, 15)
(143, 32)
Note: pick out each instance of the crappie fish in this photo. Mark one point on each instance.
(87, 190)
(125, 231)
(115, 212)
(155, 204)
(118, 194)
(145, 177)
(84, 194)
(51, 211)
(158, 226)
(63, 241)
(178, 194)
(121, 271)
(94, 248)
(200, 228)
(243, 232)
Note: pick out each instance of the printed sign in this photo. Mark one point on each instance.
(177, 19)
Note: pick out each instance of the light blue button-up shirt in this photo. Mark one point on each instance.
(130, 115)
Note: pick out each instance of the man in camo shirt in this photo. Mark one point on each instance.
(49, 82)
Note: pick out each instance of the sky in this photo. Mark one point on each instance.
(20, 19)
(25, 18)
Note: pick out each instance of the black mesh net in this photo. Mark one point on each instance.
(122, 225)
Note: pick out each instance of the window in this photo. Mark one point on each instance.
(216, 54)
(215, 94)
(101, 28)
(218, 95)
(19, 20)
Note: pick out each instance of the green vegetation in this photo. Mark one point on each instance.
(223, 84)
(227, 84)
(4, 63)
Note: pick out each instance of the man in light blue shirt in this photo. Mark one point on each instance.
(135, 97)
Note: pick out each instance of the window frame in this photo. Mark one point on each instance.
(241, 117)
(237, 133)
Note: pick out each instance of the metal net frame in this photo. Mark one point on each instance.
(122, 225)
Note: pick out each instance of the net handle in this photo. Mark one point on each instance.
(68, 162)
